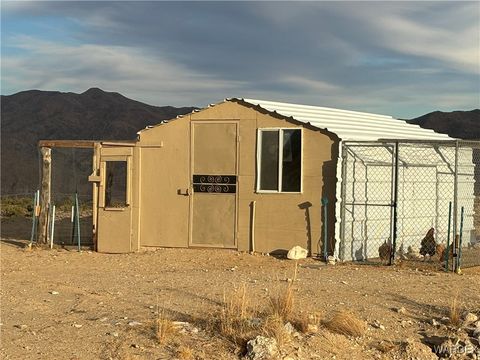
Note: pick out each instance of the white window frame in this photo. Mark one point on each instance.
(280, 160)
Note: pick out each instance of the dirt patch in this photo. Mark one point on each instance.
(84, 305)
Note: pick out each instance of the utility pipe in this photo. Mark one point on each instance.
(252, 235)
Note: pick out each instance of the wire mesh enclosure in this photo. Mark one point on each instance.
(70, 170)
(412, 201)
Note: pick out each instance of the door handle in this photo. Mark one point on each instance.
(187, 192)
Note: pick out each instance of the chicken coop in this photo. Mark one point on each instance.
(263, 176)
(414, 196)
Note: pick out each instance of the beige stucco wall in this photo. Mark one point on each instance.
(163, 215)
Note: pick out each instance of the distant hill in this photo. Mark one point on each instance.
(28, 116)
(457, 124)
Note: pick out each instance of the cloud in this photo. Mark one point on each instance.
(152, 78)
(400, 58)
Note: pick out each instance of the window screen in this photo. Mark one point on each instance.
(116, 184)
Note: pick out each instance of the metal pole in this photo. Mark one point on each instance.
(344, 200)
(460, 242)
(36, 198)
(395, 203)
(52, 226)
(455, 204)
(448, 235)
(77, 213)
(253, 204)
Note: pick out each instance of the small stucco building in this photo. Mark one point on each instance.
(233, 175)
(261, 176)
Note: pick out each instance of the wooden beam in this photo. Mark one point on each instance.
(85, 144)
(45, 194)
(82, 144)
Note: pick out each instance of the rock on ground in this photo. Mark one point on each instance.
(261, 348)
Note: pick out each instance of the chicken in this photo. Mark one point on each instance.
(441, 251)
(428, 244)
(384, 251)
(401, 253)
(413, 254)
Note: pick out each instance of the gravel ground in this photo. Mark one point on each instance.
(60, 304)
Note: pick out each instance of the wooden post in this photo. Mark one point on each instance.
(45, 194)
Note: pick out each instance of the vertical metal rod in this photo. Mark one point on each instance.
(448, 235)
(395, 203)
(77, 214)
(459, 260)
(34, 216)
(455, 204)
(344, 200)
(72, 220)
(253, 226)
(392, 201)
(52, 226)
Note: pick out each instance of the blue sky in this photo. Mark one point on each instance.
(398, 58)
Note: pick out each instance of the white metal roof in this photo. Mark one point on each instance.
(350, 125)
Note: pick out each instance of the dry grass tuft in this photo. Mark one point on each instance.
(184, 352)
(164, 329)
(454, 312)
(385, 346)
(346, 323)
(274, 327)
(282, 303)
(234, 321)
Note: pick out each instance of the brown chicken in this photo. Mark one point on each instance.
(384, 251)
(441, 251)
(428, 244)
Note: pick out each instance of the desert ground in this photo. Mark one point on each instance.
(65, 304)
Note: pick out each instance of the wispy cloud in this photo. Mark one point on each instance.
(149, 77)
(402, 58)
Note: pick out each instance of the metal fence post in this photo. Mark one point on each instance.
(455, 208)
(395, 203)
(344, 200)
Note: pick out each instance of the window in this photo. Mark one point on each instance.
(116, 184)
(279, 160)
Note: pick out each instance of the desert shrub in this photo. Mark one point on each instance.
(346, 323)
(16, 206)
(282, 303)
(274, 327)
(235, 320)
(454, 312)
(164, 328)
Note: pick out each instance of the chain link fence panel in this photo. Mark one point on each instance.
(70, 170)
(411, 201)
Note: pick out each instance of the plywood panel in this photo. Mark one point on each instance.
(114, 230)
(164, 212)
(215, 148)
(213, 220)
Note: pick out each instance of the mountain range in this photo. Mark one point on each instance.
(29, 116)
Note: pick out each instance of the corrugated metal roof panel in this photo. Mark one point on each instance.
(350, 125)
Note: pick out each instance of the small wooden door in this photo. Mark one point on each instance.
(114, 200)
(214, 184)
